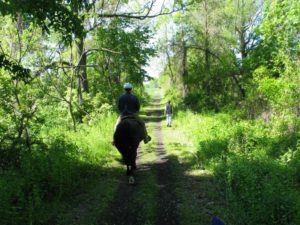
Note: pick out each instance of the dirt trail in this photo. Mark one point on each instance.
(165, 193)
(125, 209)
(167, 201)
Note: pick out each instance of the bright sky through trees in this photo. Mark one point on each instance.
(157, 63)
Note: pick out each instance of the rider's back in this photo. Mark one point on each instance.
(128, 104)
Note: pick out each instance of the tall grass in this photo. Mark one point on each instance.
(55, 168)
(256, 162)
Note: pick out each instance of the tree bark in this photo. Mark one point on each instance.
(173, 80)
(207, 53)
(82, 59)
(184, 71)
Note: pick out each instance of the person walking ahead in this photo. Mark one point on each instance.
(169, 112)
(129, 106)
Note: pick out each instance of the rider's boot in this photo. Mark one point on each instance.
(147, 139)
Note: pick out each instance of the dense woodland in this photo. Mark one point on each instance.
(230, 66)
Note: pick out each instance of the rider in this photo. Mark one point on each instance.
(129, 106)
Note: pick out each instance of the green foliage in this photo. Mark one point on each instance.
(54, 14)
(18, 72)
(273, 62)
(260, 191)
(281, 27)
(54, 134)
(258, 68)
(53, 170)
(173, 95)
(45, 175)
(129, 54)
(51, 141)
(256, 164)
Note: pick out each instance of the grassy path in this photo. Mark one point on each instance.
(168, 191)
(153, 200)
(166, 198)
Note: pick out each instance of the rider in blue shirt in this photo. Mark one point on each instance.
(129, 105)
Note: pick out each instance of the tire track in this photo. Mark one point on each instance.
(127, 207)
(166, 200)
(124, 210)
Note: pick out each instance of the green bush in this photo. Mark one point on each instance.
(45, 176)
(259, 191)
(53, 170)
(256, 162)
(292, 159)
(212, 150)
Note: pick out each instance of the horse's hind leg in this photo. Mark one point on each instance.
(128, 170)
(133, 166)
(133, 159)
(131, 179)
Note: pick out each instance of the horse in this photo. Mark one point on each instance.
(127, 137)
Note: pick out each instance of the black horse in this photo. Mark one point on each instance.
(127, 138)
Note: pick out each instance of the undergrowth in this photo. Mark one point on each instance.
(255, 162)
(55, 169)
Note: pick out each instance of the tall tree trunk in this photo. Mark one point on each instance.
(16, 52)
(242, 29)
(184, 71)
(206, 39)
(173, 78)
(243, 42)
(237, 82)
(82, 64)
(207, 54)
(81, 70)
(243, 51)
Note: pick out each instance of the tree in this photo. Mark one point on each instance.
(275, 60)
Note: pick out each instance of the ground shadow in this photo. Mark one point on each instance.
(174, 190)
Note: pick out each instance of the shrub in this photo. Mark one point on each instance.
(256, 162)
(53, 170)
(259, 191)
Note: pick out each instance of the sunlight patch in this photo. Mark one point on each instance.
(198, 173)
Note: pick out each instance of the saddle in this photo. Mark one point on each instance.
(135, 120)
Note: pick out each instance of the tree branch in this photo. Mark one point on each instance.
(204, 49)
(88, 52)
(139, 17)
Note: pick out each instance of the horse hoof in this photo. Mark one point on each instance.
(131, 180)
